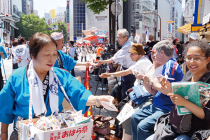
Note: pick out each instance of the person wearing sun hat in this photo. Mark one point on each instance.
(137, 55)
(64, 61)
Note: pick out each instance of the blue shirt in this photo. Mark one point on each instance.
(173, 70)
(4, 53)
(14, 97)
(123, 55)
(68, 62)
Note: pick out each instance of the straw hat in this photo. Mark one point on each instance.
(207, 36)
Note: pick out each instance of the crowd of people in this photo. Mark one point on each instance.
(137, 74)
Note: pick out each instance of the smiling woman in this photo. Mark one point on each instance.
(44, 85)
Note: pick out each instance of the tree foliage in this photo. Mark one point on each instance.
(97, 6)
(30, 24)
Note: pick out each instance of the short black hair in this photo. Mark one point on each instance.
(38, 41)
(21, 40)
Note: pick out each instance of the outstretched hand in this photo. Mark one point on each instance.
(106, 98)
(105, 75)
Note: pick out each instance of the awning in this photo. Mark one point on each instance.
(14, 26)
(185, 29)
(92, 38)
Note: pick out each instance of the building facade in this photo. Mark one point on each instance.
(60, 14)
(25, 7)
(31, 6)
(47, 18)
(77, 20)
(17, 8)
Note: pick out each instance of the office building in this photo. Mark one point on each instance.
(76, 19)
(60, 14)
(25, 7)
(17, 8)
(47, 18)
(31, 6)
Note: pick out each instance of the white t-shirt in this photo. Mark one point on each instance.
(22, 52)
(154, 74)
(141, 66)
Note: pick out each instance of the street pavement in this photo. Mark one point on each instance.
(79, 71)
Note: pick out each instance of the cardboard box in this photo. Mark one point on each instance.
(65, 103)
(80, 132)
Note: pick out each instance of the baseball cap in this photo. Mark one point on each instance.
(137, 49)
(194, 36)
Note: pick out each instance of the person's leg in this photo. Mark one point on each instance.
(127, 123)
(151, 137)
(182, 137)
(81, 58)
(85, 59)
(146, 126)
(137, 117)
(126, 136)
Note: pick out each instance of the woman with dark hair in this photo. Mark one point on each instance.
(44, 84)
(197, 59)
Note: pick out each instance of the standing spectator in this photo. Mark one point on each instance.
(98, 51)
(22, 53)
(2, 55)
(72, 54)
(175, 54)
(83, 53)
(64, 50)
(193, 37)
(14, 63)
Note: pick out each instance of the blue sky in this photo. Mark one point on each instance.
(44, 6)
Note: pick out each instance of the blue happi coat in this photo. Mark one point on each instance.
(68, 62)
(14, 97)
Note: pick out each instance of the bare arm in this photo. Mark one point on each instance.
(93, 100)
(150, 89)
(179, 100)
(158, 84)
(4, 131)
(116, 74)
(100, 62)
(87, 64)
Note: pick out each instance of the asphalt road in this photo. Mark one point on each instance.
(79, 71)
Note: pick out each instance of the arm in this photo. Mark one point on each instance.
(179, 100)
(117, 74)
(4, 131)
(96, 100)
(157, 85)
(100, 62)
(87, 64)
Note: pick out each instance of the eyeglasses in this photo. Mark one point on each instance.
(196, 58)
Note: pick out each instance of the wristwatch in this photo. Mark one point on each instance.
(150, 83)
(141, 82)
(112, 75)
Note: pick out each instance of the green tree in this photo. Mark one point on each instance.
(30, 24)
(98, 6)
(61, 27)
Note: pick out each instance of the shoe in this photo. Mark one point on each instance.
(112, 127)
(111, 137)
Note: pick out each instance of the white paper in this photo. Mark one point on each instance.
(109, 106)
(125, 113)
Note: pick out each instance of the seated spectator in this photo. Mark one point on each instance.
(137, 55)
(197, 59)
(143, 121)
(154, 70)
